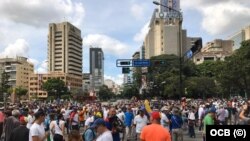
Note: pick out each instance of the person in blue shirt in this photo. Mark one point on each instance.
(129, 116)
(176, 122)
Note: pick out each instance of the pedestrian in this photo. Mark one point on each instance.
(2, 117)
(37, 131)
(208, 120)
(21, 133)
(74, 119)
(245, 113)
(154, 131)
(191, 123)
(104, 134)
(58, 127)
(31, 119)
(114, 124)
(89, 134)
(11, 123)
(129, 116)
(140, 121)
(164, 119)
(177, 123)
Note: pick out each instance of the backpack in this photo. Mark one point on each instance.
(119, 125)
(93, 133)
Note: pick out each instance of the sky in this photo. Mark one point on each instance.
(117, 26)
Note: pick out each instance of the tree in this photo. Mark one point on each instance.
(20, 91)
(4, 84)
(130, 91)
(55, 87)
(105, 93)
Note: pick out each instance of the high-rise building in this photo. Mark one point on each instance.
(96, 68)
(65, 49)
(242, 35)
(86, 82)
(142, 52)
(18, 69)
(163, 36)
(216, 50)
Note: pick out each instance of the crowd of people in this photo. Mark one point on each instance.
(164, 120)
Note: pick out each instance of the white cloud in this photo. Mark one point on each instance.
(33, 61)
(19, 48)
(40, 12)
(137, 11)
(139, 37)
(109, 45)
(223, 16)
(43, 67)
(118, 79)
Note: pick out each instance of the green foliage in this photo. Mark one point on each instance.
(20, 91)
(4, 83)
(105, 93)
(130, 91)
(55, 87)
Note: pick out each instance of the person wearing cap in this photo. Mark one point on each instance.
(140, 121)
(208, 120)
(102, 131)
(164, 118)
(74, 119)
(21, 133)
(154, 131)
(37, 131)
(11, 123)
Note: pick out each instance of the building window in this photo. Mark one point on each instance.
(198, 60)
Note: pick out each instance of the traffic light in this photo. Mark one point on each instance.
(125, 70)
(159, 63)
(197, 46)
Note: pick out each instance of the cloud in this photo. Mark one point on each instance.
(118, 79)
(19, 48)
(137, 11)
(33, 61)
(109, 45)
(41, 12)
(139, 37)
(43, 67)
(223, 16)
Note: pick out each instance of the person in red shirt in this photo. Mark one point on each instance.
(155, 132)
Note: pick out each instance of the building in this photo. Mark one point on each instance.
(96, 68)
(65, 49)
(86, 82)
(216, 50)
(142, 52)
(18, 69)
(36, 80)
(135, 56)
(242, 35)
(127, 79)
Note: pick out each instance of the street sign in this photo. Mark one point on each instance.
(141, 63)
(125, 70)
(124, 63)
(159, 63)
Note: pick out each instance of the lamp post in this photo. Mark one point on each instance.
(179, 43)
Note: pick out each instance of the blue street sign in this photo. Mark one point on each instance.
(141, 63)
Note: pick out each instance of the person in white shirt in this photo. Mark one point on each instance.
(103, 133)
(31, 119)
(57, 127)
(164, 118)
(37, 131)
(89, 120)
(191, 122)
(140, 121)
